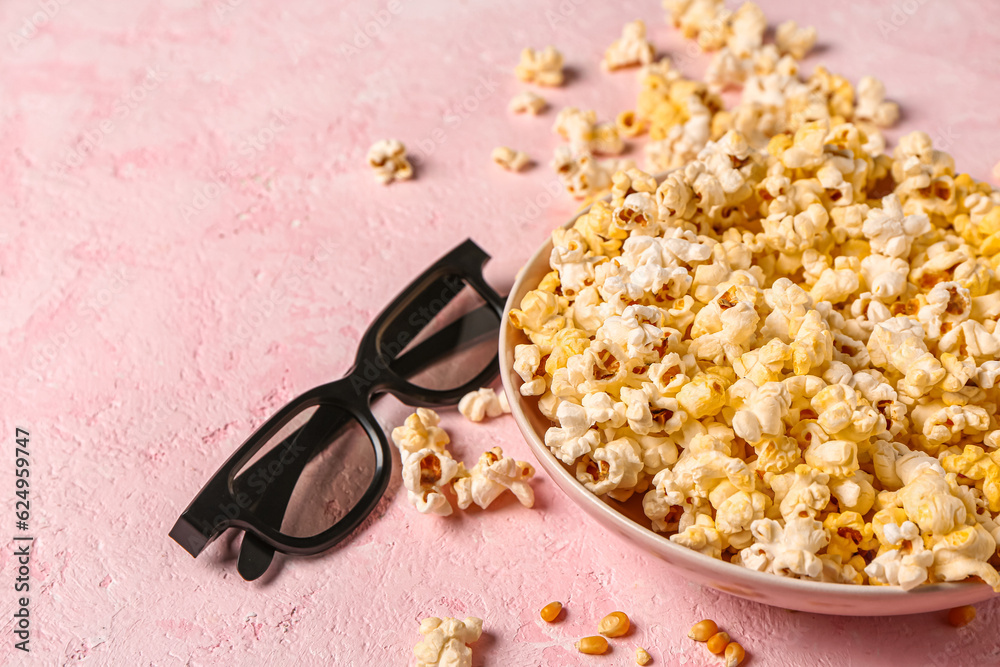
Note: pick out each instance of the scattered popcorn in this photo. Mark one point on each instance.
(510, 159)
(420, 431)
(642, 656)
(387, 157)
(630, 50)
(478, 405)
(426, 473)
(493, 474)
(528, 102)
(445, 642)
(542, 67)
(793, 40)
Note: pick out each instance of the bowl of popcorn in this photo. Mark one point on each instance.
(776, 369)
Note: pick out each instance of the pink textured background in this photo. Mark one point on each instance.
(151, 317)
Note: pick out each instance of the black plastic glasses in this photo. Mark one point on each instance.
(304, 480)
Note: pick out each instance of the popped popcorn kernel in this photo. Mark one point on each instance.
(387, 158)
(527, 102)
(493, 474)
(445, 642)
(510, 159)
(544, 67)
(483, 403)
(630, 50)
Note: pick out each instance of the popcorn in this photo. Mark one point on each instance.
(872, 105)
(493, 474)
(477, 405)
(426, 473)
(510, 159)
(963, 554)
(527, 102)
(528, 365)
(387, 158)
(784, 366)
(907, 566)
(890, 232)
(614, 465)
(445, 642)
(584, 133)
(542, 67)
(793, 40)
(630, 50)
(701, 537)
(580, 174)
(420, 431)
(788, 549)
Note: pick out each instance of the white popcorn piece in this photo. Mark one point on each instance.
(885, 277)
(493, 474)
(762, 411)
(510, 159)
(890, 232)
(947, 302)
(527, 102)
(426, 473)
(615, 465)
(445, 640)
(630, 49)
(478, 405)
(387, 158)
(528, 365)
(420, 431)
(544, 68)
(872, 105)
(573, 437)
(906, 567)
(579, 172)
(746, 30)
(786, 549)
(793, 40)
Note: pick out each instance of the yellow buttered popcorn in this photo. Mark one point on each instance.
(786, 349)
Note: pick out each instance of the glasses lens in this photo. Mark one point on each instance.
(451, 338)
(310, 474)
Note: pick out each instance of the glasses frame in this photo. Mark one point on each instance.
(371, 375)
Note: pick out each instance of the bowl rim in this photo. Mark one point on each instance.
(652, 540)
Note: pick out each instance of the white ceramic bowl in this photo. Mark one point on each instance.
(628, 521)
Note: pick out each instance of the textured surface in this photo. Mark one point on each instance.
(189, 237)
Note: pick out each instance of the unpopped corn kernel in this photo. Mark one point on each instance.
(595, 645)
(734, 654)
(718, 642)
(614, 624)
(703, 630)
(551, 611)
(961, 616)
